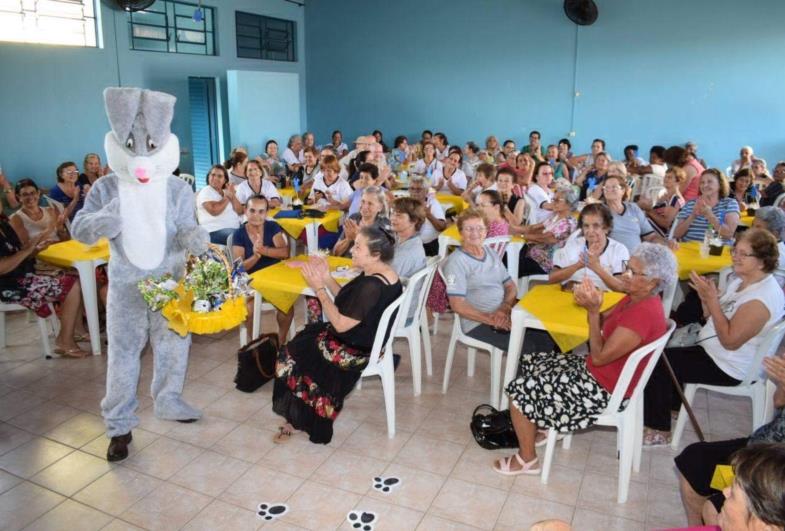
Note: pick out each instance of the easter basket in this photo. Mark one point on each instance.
(210, 297)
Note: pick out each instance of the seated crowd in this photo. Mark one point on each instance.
(591, 224)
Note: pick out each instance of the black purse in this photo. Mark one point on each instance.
(492, 429)
(256, 363)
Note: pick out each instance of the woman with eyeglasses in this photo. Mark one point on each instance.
(68, 192)
(630, 224)
(712, 208)
(737, 321)
(584, 384)
(260, 243)
(591, 253)
(32, 220)
(320, 366)
(373, 211)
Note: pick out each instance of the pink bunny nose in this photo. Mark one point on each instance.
(140, 173)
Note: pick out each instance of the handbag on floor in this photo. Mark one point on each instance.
(492, 429)
(256, 363)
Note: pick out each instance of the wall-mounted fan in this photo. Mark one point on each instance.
(133, 5)
(582, 12)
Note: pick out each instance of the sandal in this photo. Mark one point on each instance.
(71, 352)
(81, 338)
(502, 466)
(283, 435)
(655, 438)
(544, 440)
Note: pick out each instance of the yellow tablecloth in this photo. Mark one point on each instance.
(287, 192)
(564, 320)
(64, 254)
(689, 259)
(457, 202)
(746, 220)
(281, 285)
(295, 226)
(452, 232)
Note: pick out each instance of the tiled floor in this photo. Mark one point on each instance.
(212, 475)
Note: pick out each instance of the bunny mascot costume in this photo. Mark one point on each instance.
(148, 216)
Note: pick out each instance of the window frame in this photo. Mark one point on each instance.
(264, 51)
(172, 40)
(96, 22)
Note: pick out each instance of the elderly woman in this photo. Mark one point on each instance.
(373, 211)
(479, 288)
(329, 191)
(505, 181)
(742, 189)
(686, 159)
(292, 155)
(490, 204)
(484, 179)
(591, 253)
(630, 224)
(428, 164)
(338, 146)
(255, 184)
(33, 220)
(68, 192)
(713, 208)
(310, 167)
(320, 366)
(271, 161)
(585, 384)
(593, 175)
(217, 207)
(697, 462)
(524, 173)
(19, 284)
(260, 243)
(772, 219)
(666, 208)
(744, 161)
(92, 171)
(235, 165)
(540, 192)
(737, 322)
(492, 146)
(407, 216)
(435, 219)
(451, 177)
(544, 239)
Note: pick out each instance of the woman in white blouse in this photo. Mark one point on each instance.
(256, 185)
(540, 193)
(329, 191)
(428, 165)
(217, 207)
(451, 177)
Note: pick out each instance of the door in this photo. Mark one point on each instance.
(205, 126)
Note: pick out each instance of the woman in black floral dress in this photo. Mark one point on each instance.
(19, 284)
(322, 363)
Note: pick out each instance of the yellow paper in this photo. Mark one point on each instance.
(689, 259)
(564, 320)
(182, 319)
(457, 202)
(722, 478)
(65, 254)
(295, 226)
(281, 285)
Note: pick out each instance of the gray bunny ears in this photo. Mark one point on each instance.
(145, 113)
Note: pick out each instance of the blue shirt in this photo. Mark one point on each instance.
(241, 239)
(58, 195)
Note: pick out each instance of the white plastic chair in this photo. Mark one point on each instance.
(629, 422)
(44, 324)
(380, 362)
(531, 208)
(752, 386)
(416, 330)
(779, 201)
(525, 282)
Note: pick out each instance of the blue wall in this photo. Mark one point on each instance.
(52, 104)
(659, 72)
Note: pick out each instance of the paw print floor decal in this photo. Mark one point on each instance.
(362, 520)
(271, 511)
(386, 485)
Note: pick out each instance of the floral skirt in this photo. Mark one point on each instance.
(557, 391)
(314, 374)
(35, 292)
(438, 301)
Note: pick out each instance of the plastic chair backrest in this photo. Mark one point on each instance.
(382, 342)
(417, 289)
(631, 365)
(498, 244)
(531, 208)
(667, 296)
(780, 199)
(768, 347)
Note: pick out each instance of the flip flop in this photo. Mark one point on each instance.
(283, 435)
(502, 466)
(71, 352)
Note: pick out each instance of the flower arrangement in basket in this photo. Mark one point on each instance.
(210, 298)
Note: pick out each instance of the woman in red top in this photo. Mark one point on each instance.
(566, 391)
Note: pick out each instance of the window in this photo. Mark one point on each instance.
(261, 37)
(68, 22)
(169, 26)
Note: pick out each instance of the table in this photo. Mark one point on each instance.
(547, 307)
(282, 285)
(689, 259)
(452, 201)
(451, 236)
(746, 220)
(84, 258)
(295, 226)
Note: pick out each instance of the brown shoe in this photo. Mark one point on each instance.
(118, 447)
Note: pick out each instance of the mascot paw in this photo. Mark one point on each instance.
(194, 240)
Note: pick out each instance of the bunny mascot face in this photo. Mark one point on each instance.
(148, 216)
